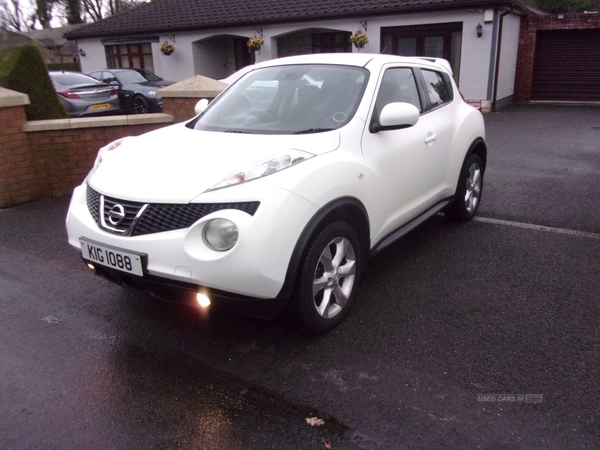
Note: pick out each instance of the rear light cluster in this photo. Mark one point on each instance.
(75, 94)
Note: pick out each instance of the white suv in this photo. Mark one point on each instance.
(282, 188)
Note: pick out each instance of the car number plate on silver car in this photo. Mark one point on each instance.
(116, 258)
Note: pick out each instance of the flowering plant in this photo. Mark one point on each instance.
(255, 43)
(359, 39)
(166, 48)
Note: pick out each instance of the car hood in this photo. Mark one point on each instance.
(176, 164)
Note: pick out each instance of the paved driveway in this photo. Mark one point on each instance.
(450, 316)
(544, 166)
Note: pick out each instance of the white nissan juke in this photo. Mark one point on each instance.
(278, 192)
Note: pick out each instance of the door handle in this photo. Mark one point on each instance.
(430, 138)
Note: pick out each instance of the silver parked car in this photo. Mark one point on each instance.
(83, 95)
(136, 88)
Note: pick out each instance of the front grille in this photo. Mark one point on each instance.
(148, 218)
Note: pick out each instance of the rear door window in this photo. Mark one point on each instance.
(437, 87)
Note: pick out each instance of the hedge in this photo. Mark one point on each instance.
(22, 69)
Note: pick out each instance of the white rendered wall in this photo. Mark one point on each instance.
(508, 57)
(192, 56)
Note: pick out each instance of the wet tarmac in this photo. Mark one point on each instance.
(452, 325)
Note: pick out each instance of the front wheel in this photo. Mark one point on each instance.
(329, 277)
(468, 194)
(140, 105)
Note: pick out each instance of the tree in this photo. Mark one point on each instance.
(43, 12)
(25, 15)
(14, 16)
(98, 9)
(73, 11)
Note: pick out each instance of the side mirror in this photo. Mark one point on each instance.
(201, 106)
(395, 116)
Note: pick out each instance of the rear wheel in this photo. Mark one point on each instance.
(140, 105)
(468, 195)
(329, 277)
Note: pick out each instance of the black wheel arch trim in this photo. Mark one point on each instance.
(479, 147)
(336, 210)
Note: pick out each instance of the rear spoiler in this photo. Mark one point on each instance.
(441, 61)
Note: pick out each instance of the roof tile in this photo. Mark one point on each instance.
(163, 16)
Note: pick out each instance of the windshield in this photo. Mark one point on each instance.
(149, 76)
(287, 100)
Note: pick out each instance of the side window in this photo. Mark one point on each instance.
(438, 88)
(398, 85)
(107, 77)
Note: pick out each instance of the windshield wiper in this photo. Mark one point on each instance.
(313, 130)
(238, 131)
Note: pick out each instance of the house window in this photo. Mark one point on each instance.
(334, 42)
(313, 40)
(436, 41)
(125, 56)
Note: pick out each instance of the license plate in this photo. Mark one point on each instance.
(101, 106)
(116, 258)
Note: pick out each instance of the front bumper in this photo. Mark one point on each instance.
(178, 260)
(181, 292)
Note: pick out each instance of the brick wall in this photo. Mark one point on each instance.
(181, 108)
(15, 157)
(49, 158)
(62, 158)
(527, 40)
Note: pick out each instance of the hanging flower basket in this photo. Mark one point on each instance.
(166, 48)
(359, 39)
(255, 43)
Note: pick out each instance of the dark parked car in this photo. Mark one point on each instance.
(136, 88)
(83, 95)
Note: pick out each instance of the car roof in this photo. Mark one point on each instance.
(356, 59)
(135, 69)
(59, 73)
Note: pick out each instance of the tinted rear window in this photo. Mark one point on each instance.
(438, 88)
(73, 79)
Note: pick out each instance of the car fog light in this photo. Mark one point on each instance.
(220, 234)
(203, 300)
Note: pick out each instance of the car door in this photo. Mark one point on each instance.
(407, 165)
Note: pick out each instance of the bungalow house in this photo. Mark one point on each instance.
(478, 37)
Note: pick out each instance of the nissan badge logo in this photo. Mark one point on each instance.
(116, 215)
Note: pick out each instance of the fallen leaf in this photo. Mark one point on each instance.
(327, 443)
(52, 319)
(314, 421)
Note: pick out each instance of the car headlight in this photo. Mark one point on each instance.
(220, 234)
(103, 151)
(265, 167)
(152, 93)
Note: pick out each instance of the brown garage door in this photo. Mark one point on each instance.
(566, 66)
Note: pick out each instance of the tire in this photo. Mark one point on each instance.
(468, 192)
(140, 105)
(328, 279)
